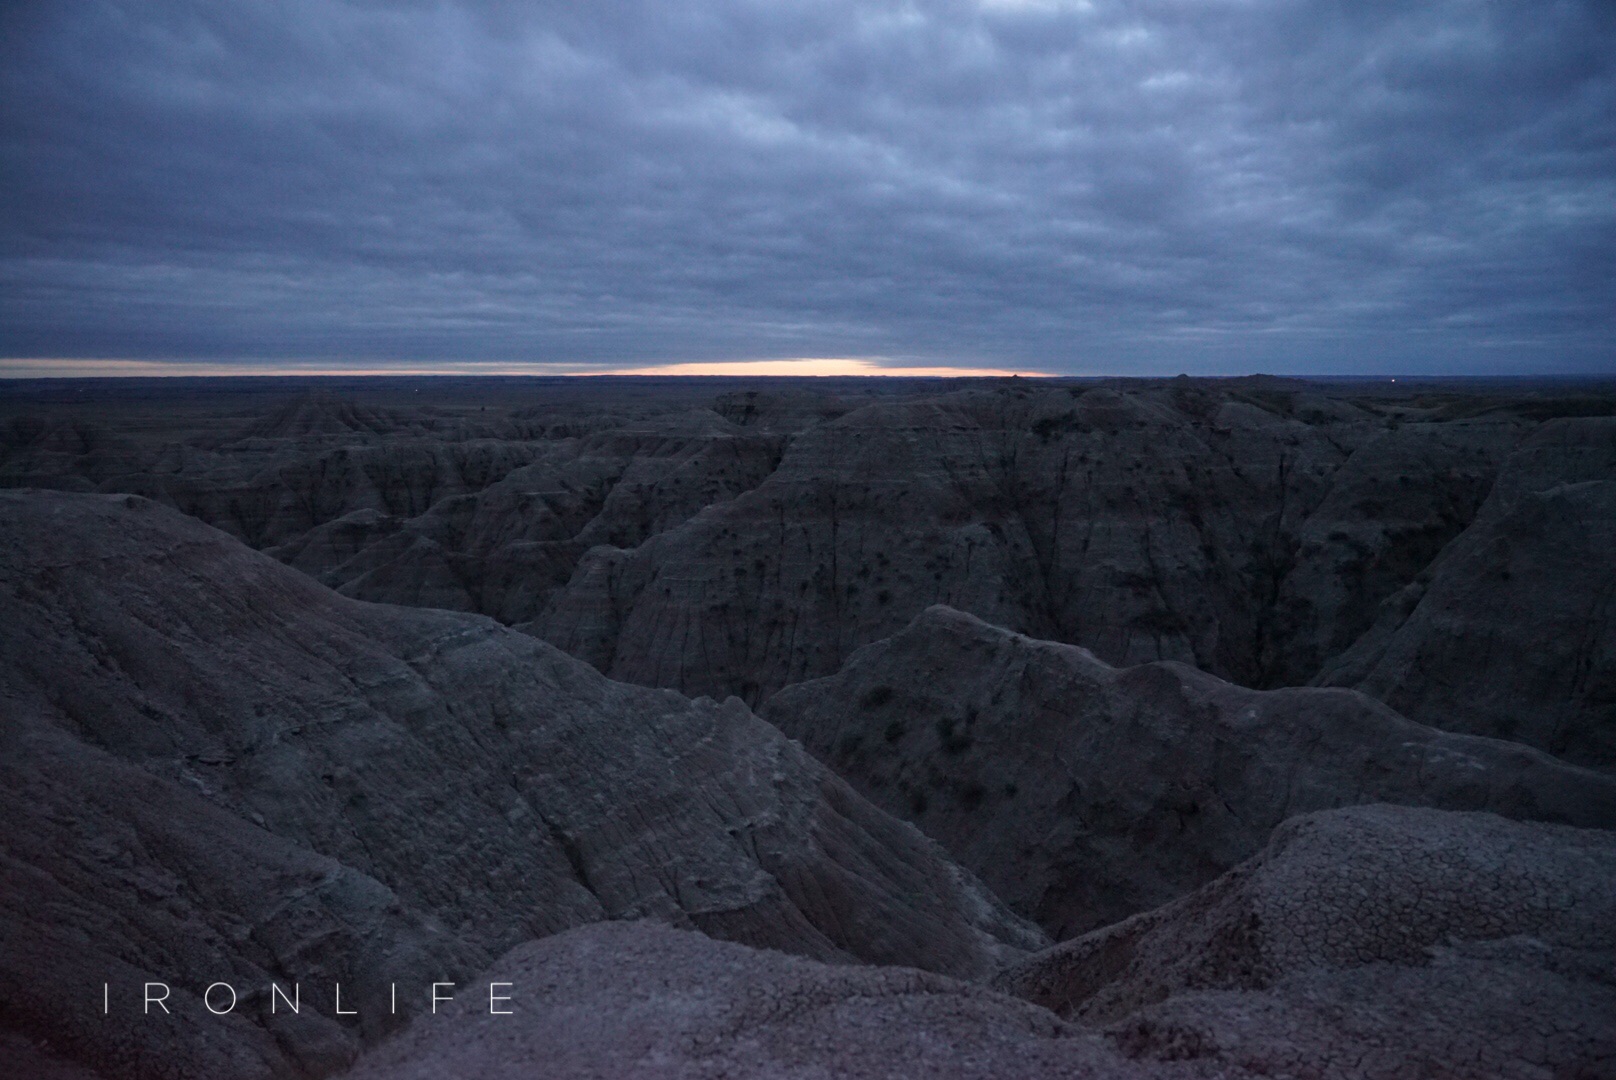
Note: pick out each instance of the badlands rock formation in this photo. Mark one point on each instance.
(214, 768)
(1377, 942)
(1372, 941)
(1082, 793)
(636, 1000)
(721, 540)
(1511, 631)
(1184, 619)
(1252, 534)
(503, 549)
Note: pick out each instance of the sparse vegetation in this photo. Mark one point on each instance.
(953, 741)
(876, 697)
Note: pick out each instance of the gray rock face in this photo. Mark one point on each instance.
(1392, 507)
(1082, 793)
(410, 506)
(788, 410)
(213, 768)
(1375, 942)
(1091, 516)
(23, 1056)
(1371, 941)
(1512, 629)
(639, 1000)
(502, 549)
(1252, 536)
(1252, 527)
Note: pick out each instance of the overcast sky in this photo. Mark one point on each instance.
(1038, 185)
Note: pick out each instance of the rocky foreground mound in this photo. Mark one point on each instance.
(640, 1000)
(213, 768)
(1371, 941)
(1375, 942)
(1082, 793)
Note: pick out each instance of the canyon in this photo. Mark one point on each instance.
(1179, 727)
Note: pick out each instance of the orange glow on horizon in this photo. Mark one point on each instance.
(810, 367)
(40, 368)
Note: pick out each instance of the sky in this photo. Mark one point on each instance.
(1041, 186)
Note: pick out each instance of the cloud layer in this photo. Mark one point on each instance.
(1065, 185)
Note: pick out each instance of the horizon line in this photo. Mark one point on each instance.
(799, 367)
(35, 369)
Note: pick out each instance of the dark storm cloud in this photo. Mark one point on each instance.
(1163, 184)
